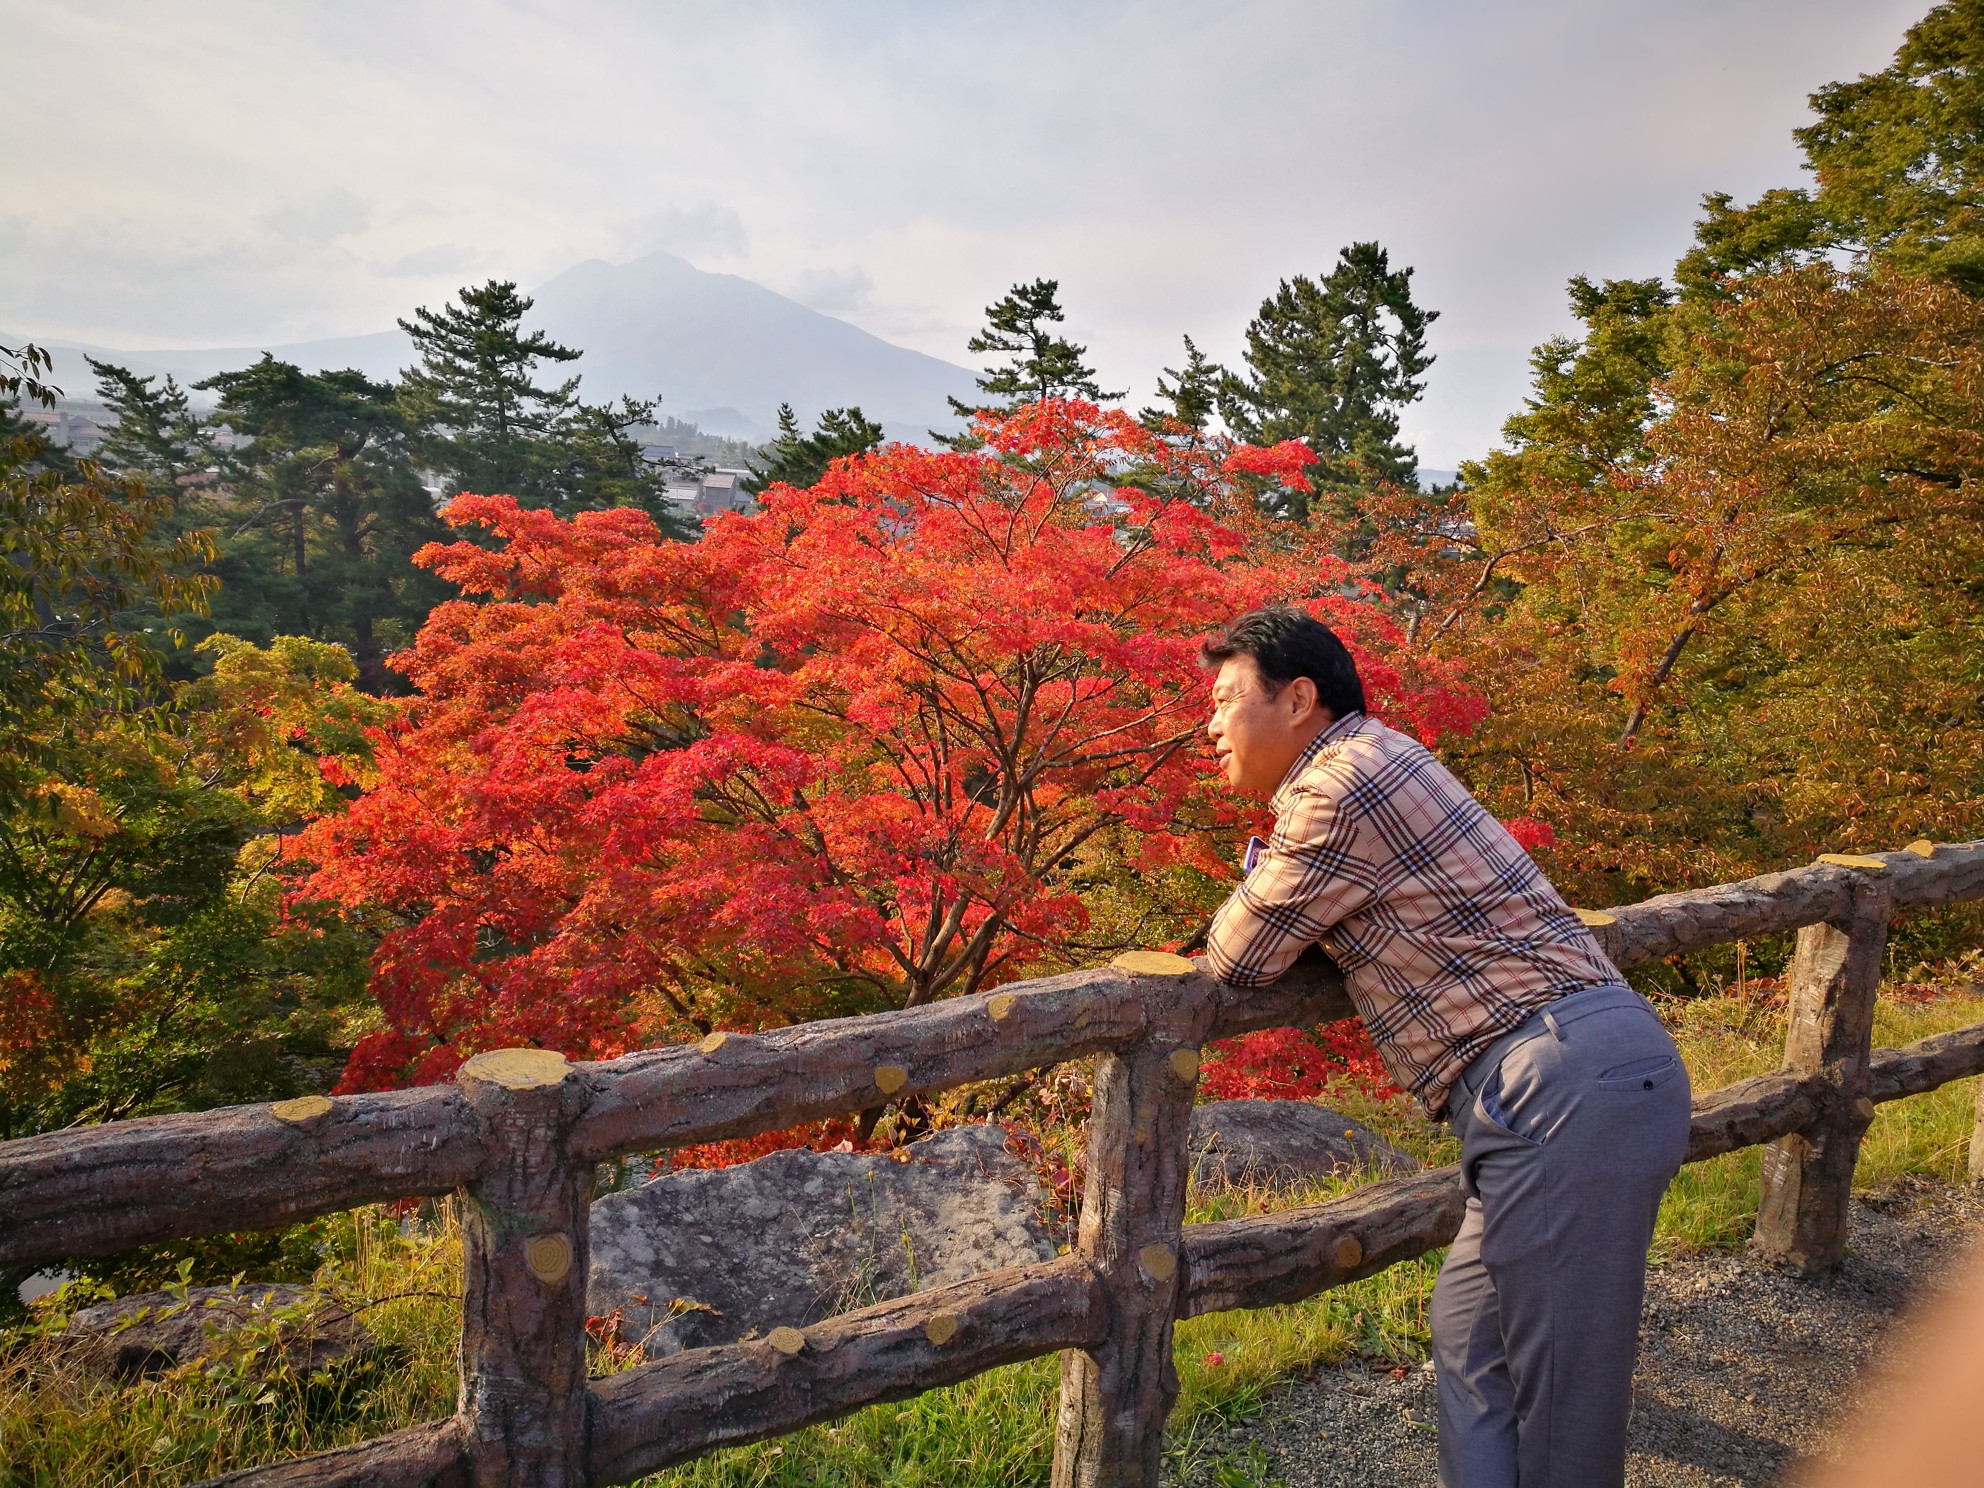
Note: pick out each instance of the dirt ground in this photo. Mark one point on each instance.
(1743, 1368)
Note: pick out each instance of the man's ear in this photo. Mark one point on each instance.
(1302, 699)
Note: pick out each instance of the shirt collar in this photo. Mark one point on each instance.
(1340, 728)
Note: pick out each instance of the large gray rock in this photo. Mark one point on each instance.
(151, 1331)
(698, 1258)
(1282, 1142)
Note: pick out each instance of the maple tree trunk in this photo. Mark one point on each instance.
(1666, 665)
(1116, 1394)
(523, 1346)
(1808, 1176)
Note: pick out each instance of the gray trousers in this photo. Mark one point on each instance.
(1570, 1128)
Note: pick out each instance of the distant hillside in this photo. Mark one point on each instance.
(712, 343)
(720, 351)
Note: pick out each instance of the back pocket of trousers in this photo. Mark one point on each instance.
(1641, 1074)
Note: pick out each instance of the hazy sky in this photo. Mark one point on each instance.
(186, 174)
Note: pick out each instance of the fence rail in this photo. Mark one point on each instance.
(518, 1132)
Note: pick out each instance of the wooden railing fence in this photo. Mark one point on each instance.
(519, 1132)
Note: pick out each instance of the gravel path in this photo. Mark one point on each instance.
(1742, 1368)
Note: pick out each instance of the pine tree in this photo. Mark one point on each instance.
(1332, 364)
(479, 416)
(797, 459)
(481, 420)
(1193, 392)
(594, 461)
(156, 432)
(1039, 363)
(323, 512)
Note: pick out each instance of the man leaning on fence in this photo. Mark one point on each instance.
(1493, 1006)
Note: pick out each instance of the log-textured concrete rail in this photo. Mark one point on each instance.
(519, 1131)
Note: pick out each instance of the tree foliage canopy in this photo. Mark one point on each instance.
(322, 511)
(85, 558)
(1722, 581)
(858, 750)
(796, 459)
(475, 397)
(1898, 157)
(479, 417)
(1331, 363)
(147, 958)
(1039, 364)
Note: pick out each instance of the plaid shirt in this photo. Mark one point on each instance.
(1447, 934)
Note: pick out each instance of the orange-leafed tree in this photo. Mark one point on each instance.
(855, 750)
(1751, 631)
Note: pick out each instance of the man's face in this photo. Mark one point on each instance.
(1257, 733)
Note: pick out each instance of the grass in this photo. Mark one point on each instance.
(60, 1425)
(1713, 1204)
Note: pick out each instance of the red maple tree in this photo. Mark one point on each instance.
(843, 753)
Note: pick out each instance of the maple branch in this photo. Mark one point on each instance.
(1487, 574)
(1695, 611)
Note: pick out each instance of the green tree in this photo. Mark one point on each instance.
(1331, 364)
(23, 375)
(1039, 364)
(1592, 395)
(1898, 162)
(22, 370)
(1192, 393)
(82, 553)
(323, 512)
(481, 420)
(797, 459)
(596, 461)
(1721, 582)
(480, 416)
(156, 433)
(148, 959)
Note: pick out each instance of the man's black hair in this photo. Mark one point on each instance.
(1286, 644)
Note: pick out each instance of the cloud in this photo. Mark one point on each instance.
(704, 229)
(834, 290)
(318, 219)
(439, 258)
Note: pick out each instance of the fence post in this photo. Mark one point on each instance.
(1977, 1138)
(1808, 1176)
(1114, 1397)
(523, 1352)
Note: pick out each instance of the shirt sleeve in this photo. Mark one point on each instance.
(1310, 878)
